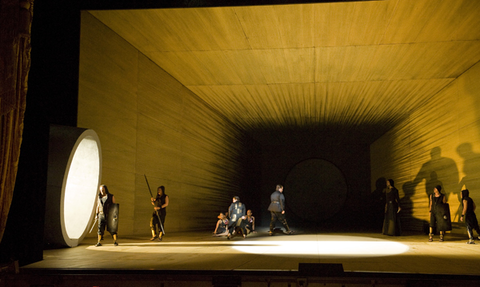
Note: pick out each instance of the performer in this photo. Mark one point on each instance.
(221, 227)
(160, 203)
(236, 211)
(469, 216)
(438, 219)
(391, 223)
(250, 222)
(277, 210)
(105, 202)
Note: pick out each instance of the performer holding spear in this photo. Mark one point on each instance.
(157, 221)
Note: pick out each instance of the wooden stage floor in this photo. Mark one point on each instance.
(302, 259)
(356, 252)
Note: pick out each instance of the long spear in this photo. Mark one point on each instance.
(156, 211)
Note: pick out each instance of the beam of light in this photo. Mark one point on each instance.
(298, 245)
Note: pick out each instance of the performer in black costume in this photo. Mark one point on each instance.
(391, 223)
(277, 210)
(160, 203)
(469, 216)
(250, 219)
(221, 226)
(104, 203)
(236, 212)
(438, 220)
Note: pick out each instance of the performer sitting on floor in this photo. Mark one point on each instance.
(221, 227)
(250, 222)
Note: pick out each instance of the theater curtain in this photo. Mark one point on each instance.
(15, 24)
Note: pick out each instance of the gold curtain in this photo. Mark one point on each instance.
(15, 24)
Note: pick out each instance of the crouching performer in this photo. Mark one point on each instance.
(236, 211)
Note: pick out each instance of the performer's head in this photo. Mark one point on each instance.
(390, 182)
(103, 190)
(161, 190)
(279, 188)
(438, 188)
(249, 212)
(236, 198)
(465, 193)
(221, 216)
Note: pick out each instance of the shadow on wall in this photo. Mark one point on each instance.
(438, 170)
(441, 171)
(407, 218)
(471, 170)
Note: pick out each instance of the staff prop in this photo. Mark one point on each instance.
(93, 224)
(156, 211)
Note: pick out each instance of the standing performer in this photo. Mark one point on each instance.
(469, 216)
(107, 214)
(438, 219)
(160, 203)
(236, 211)
(277, 210)
(391, 223)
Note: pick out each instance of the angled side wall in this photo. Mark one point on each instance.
(149, 124)
(438, 144)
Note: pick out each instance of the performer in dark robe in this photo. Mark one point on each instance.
(469, 216)
(160, 203)
(277, 210)
(391, 223)
(105, 205)
(438, 217)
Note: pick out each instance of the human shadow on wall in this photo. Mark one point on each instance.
(471, 171)
(439, 170)
(406, 214)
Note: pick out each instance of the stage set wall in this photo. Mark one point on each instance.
(439, 143)
(150, 125)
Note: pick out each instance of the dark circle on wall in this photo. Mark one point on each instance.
(315, 190)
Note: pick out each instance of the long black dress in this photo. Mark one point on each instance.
(439, 219)
(391, 223)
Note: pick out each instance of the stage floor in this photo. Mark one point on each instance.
(357, 252)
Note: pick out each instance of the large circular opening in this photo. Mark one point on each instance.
(81, 186)
(315, 190)
(74, 174)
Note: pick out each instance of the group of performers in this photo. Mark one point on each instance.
(237, 221)
(240, 221)
(107, 214)
(439, 212)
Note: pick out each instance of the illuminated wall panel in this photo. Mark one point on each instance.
(149, 124)
(439, 143)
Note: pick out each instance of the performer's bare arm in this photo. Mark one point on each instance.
(465, 203)
(216, 227)
(166, 202)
